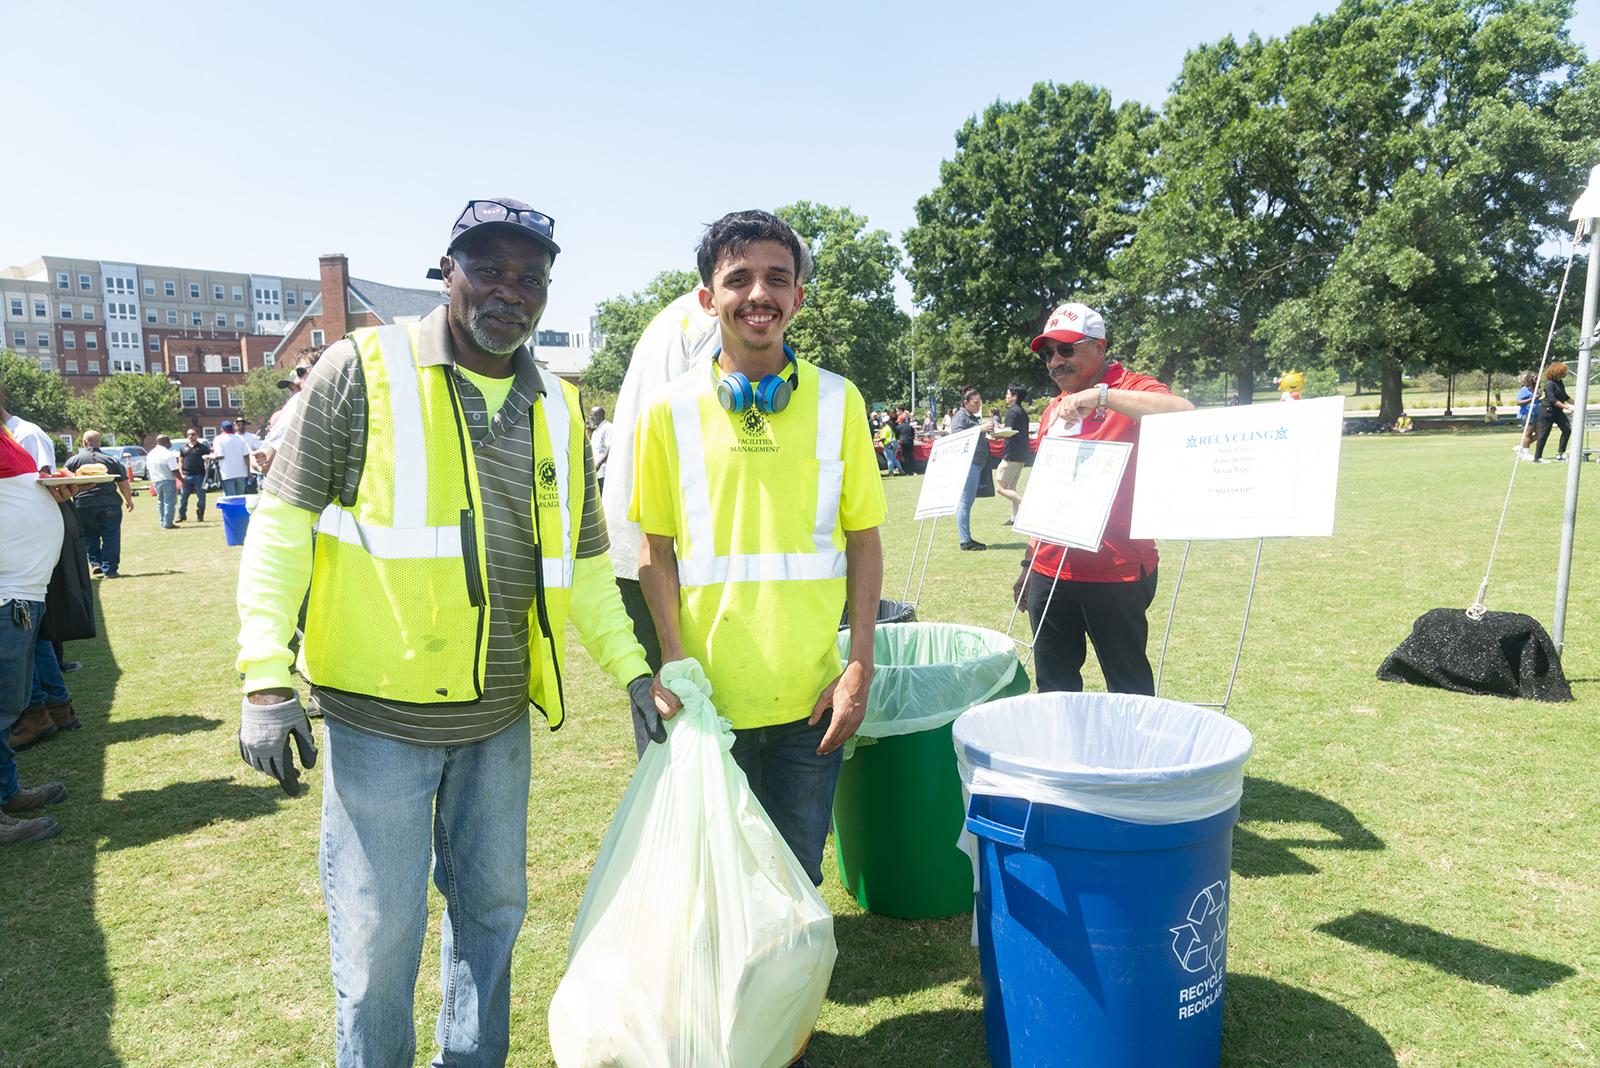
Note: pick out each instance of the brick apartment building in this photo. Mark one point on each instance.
(204, 330)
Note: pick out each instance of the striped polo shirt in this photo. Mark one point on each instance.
(320, 459)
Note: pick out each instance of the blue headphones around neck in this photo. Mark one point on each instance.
(771, 395)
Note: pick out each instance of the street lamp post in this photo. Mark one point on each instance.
(1588, 209)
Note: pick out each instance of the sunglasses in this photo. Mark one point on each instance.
(1052, 347)
(485, 211)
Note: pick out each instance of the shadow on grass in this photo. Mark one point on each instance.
(1266, 802)
(140, 817)
(881, 957)
(132, 730)
(55, 952)
(1268, 1022)
(1516, 973)
(947, 1038)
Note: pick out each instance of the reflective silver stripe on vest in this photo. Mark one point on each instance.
(700, 566)
(558, 423)
(411, 538)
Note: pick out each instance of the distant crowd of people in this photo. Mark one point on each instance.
(57, 542)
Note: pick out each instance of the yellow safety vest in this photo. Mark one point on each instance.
(399, 609)
(698, 562)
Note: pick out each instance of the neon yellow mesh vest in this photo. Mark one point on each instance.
(398, 606)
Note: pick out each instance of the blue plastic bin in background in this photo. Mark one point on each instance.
(1104, 831)
(235, 518)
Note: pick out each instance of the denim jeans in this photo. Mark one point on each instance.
(232, 487)
(891, 456)
(166, 500)
(969, 493)
(16, 678)
(793, 783)
(388, 809)
(49, 685)
(193, 484)
(102, 534)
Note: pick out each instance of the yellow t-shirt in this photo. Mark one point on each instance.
(768, 648)
(494, 390)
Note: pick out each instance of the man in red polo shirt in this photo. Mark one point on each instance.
(1101, 595)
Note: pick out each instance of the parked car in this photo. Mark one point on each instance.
(131, 458)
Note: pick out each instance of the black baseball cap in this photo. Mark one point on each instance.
(502, 213)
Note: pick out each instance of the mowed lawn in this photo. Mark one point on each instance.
(1416, 873)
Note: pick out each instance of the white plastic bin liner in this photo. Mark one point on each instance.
(1134, 758)
(927, 674)
(701, 942)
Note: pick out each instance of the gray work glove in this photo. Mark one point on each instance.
(644, 709)
(264, 735)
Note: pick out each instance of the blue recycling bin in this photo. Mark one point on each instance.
(1102, 940)
(235, 518)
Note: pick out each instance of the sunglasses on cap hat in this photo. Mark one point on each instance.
(504, 213)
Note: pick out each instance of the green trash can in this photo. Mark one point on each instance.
(898, 810)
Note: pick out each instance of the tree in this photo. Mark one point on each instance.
(1440, 143)
(1039, 194)
(1219, 244)
(131, 407)
(35, 394)
(261, 395)
(849, 322)
(623, 318)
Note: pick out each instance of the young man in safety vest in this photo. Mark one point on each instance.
(758, 493)
(458, 530)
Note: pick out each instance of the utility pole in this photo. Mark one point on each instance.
(1588, 209)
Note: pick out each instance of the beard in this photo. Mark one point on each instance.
(483, 337)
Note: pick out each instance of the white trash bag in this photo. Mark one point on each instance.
(701, 942)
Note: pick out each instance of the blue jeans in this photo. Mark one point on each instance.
(49, 685)
(166, 500)
(891, 454)
(793, 783)
(102, 534)
(388, 808)
(193, 484)
(969, 493)
(17, 640)
(232, 487)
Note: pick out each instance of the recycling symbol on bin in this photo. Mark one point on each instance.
(1200, 943)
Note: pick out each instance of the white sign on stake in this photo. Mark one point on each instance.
(946, 475)
(1253, 471)
(1070, 493)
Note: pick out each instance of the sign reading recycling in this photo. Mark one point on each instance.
(1252, 471)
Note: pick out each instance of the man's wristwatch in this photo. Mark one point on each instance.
(1100, 405)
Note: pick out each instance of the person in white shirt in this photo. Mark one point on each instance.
(233, 459)
(279, 422)
(682, 335)
(29, 436)
(161, 466)
(599, 445)
(249, 438)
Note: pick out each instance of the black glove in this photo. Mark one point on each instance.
(644, 709)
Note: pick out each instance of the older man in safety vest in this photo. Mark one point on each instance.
(458, 532)
(758, 493)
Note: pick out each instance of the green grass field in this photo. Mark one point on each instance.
(1416, 874)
